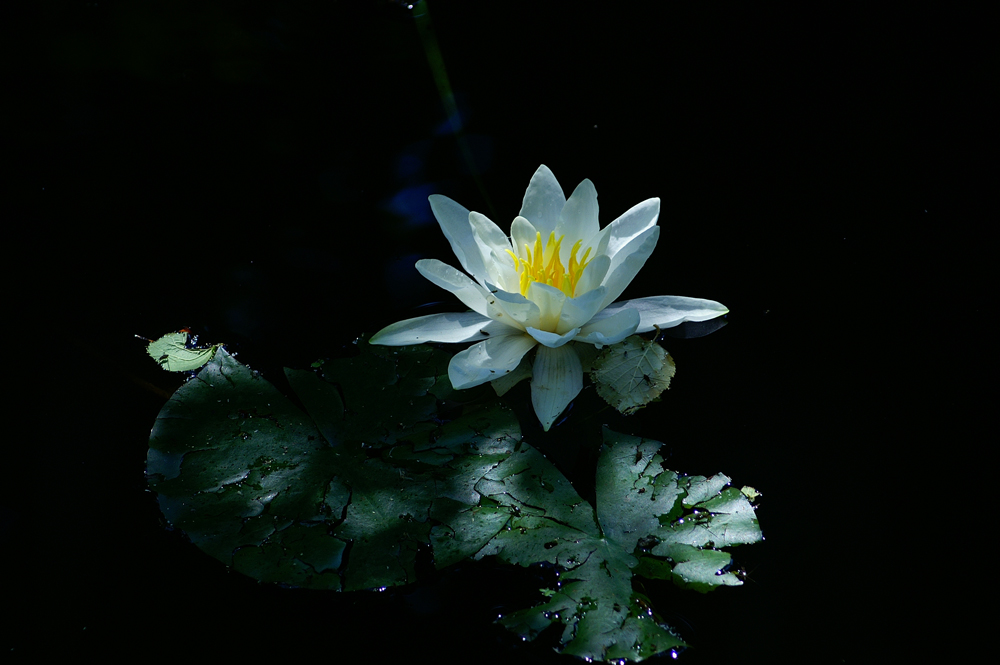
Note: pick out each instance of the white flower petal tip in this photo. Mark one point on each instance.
(668, 311)
(557, 377)
(552, 281)
(488, 360)
(453, 328)
(551, 339)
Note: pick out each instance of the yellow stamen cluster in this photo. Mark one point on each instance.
(544, 265)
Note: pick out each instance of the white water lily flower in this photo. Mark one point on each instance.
(552, 282)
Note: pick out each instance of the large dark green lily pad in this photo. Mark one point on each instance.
(279, 493)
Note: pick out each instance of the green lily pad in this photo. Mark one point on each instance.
(632, 373)
(174, 355)
(640, 507)
(279, 493)
(341, 495)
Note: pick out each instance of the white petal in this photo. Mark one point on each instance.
(488, 360)
(667, 311)
(550, 303)
(512, 309)
(609, 329)
(556, 378)
(522, 232)
(627, 263)
(593, 274)
(578, 220)
(503, 384)
(451, 327)
(493, 245)
(454, 221)
(578, 311)
(551, 339)
(543, 201)
(488, 233)
(636, 220)
(455, 281)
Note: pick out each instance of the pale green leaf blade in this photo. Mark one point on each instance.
(173, 354)
(632, 373)
(629, 499)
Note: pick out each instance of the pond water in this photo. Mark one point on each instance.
(261, 176)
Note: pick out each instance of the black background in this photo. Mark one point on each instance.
(260, 175)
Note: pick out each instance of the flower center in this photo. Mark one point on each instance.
(544, 265)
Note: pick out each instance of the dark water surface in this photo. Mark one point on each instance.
(260, 175)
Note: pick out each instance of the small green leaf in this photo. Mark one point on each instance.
(631, 374)
(173, 354)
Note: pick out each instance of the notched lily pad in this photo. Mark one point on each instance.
(638, 527)
(632, 373)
